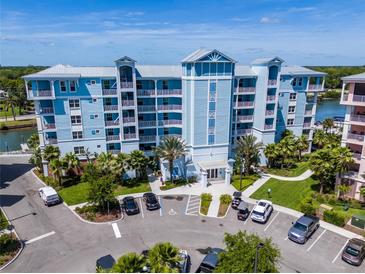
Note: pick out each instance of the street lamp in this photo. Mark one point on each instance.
(259, 246)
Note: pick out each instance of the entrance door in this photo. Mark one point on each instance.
(212, 173)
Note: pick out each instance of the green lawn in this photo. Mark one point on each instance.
(8, 112)
(286, 193)
(77, 194)
(168, 185)
(246, 181)
(289, 172)
(28, 122)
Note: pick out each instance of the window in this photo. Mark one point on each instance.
(106, 84)
(94, 116)
(139, 85)
(290, 122)
(72, 85)
(291, 109)
(77, 135)
(212, 86)
(211, 123)
(75, 120)
(98, 146)
(79, 150)
(211, 106)
(95, 132)
(165, 84)
(293, 96)
(74, 103)
(297, 81)
(93, 82)
(210, 139)
(63, 86)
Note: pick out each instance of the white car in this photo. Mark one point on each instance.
(49, 195)
(262, 210)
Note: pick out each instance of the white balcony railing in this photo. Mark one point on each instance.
(40, 93)
(306, 125)
(169, 107)
(110, 107)
(169, 122)
(146, 108)
(269, 112)
(169, 92)
(358, 98)
(246, 89)
(272, 82)
(270, 98)
(211, 130)
(244, 131)
(356, 155)
(49, 126)
(113, 151)
(245, 104)
(355, 136)
(111, 123)
(269, 126)
(127, 103)
(129, 120)
(308, 112)
(145, 92)
(46, 110)
(151, 138)
(128, 136)
(357, 118)
(110, 91)
(314, 87)
(112, 137)
(51, 141)
(244, 117)
(142, 124)
(345, 97)
(126, 84)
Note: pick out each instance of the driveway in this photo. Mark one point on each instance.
(59, 242)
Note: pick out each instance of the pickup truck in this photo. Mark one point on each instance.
(303, 228)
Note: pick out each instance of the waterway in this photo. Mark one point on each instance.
(329, 109)
(11, 139)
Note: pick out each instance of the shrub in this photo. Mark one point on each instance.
(206, 197)
(334, 217)
(306, 206)
(355, 204)
(192, 179)
(8, 243)
(225, 199)
(3, 126)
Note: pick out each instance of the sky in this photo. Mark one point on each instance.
(90, 32)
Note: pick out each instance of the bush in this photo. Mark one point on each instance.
(334, 217)
(355, 204)
(192, 179)
(225, 199)
(306, 206)
(7, 243)
(206, 197)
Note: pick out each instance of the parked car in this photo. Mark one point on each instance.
(185, 262)
(105, 263)
(210, 261)
(236, 199)
(303, 228)
(49, 195)
(151, 201)
(262, 211)
(243, 211)
(130, 206)
(354, 252)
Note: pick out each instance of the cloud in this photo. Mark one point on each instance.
(301, 9)
(134, 13)
(269, 20)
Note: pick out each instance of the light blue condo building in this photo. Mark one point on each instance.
(208, 100)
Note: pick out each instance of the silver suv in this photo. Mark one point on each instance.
(303, 228)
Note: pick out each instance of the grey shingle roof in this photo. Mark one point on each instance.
(360, 77)
(158, 71)
(244, 71)
(298, 70)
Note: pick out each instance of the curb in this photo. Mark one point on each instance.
(21, 244)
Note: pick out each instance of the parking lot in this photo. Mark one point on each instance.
(58, 237)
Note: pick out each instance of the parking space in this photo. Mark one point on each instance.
(173, 205)
(193, 205)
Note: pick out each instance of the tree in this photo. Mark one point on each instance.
(241, 252)
(56, 166)
(164, 258)
(301, 145)
(287, 148)
(362, 192)
(344, 158)
(101, 191)
(108, 164)
(328, 124)
(320, 138)
(286, 133)
(33, 141)
(129, 263)
(138, 162)
(343, 189)
(51, 152)
(72, 161)
(271, 153)
(170, 149)
(36, 158)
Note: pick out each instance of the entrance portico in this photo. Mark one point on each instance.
(214, 171)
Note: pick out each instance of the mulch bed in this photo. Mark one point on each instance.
(100, 217)
(8, 255)
(222, 209)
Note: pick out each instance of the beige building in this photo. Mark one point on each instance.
(353, 97)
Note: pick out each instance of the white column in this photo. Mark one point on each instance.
(204, 178)
(227, 178)
(45, 168)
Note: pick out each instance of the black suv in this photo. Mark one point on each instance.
(130, 205)
(210, 261)
(151, 201)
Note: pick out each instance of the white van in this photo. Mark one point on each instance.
(49, 195)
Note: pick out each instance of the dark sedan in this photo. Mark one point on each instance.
(354, 252)
(210, 261)
(130, 206)
(151, 201)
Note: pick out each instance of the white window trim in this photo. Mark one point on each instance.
(291, 112)
(69, 86)
(63, 91)
(76, 124)
(74, 103)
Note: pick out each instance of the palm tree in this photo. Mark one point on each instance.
(320, 138)
(122, 164)
(129, 263)
(164, 257)
(56, 166)
(51, 152)
(271, 153)
(33, 141)
(170, 149)
(138, 162)
(344, 158)
(287, 148)
(301, 145)
(328, 124)
(72, 161)
(104, 162)
(89, 156)
(36, 158)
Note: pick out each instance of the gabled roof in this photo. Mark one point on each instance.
(125, 59)
(264, 61)
(298, 70)
(203, 52)
(243, 71)
(158, 71)
(355, 77)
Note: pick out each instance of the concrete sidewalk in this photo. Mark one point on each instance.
(301, 177)
(214, 207)
(21, 117)
(256, 185)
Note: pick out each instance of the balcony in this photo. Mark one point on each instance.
(112, 138)
(356, 155)
(269, 112)
(306, 125)
(169, 122)
(151, 138)
(46, 110)
(244, 118)
(113, 151)
(355, 137)
(128, 136)
(308, 112)
(357, 118)
(359, 98)
(40, 94)
(272, 82)
(143, 124)
(270, 98)
(51, 141)
(127, 120)
(349, 98)
(109, 91)
(127, 103)
(269, 126)
(246, 89)
(146, 108)
(169, 107)
(49, 126)
(169, 92)
(112, 123)
(244, 131)
(315, 87)
(211, 130)
(125, 85)
(111, 107)
(245, 104)
(145, 92)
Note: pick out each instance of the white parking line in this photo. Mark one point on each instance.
(273, 219)
(338, 254)
(286, 238)
(249, 217)
(116, 230)
(187, 205)
(39, 237)
(309, 248)
(140, 202)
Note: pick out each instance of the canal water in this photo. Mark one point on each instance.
(329, 109)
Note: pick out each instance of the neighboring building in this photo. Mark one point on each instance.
(209, 101)
(353, 96)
